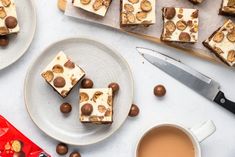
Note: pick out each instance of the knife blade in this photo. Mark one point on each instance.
(193, 79)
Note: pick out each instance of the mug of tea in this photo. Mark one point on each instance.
(174, 140)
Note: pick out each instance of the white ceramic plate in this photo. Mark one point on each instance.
(20, 42)
(102, 65)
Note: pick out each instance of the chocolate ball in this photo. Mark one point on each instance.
(11, 22)
(62, 149)
(19, 154)
(170, 13)
(4, 41)
(134, 111)
(75, 154)
(59, 82)
(87, 109)
(87, 83)
(159, 90)
(65, 108)
(114, 86)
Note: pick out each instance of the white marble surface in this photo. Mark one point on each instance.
(180, 104)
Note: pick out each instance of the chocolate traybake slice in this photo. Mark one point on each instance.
(222, 43)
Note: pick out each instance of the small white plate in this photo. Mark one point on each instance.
(19, 43)
(103, 65)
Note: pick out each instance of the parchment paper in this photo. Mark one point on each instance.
(209, 20)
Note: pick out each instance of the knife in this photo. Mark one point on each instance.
(200, 83)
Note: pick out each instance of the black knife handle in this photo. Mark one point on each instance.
(223, 101)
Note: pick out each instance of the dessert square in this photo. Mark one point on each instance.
(196, 1)
(62, 74)
(98, 7)
(96, 105)
(8, 17)
(180, 25)
(222, 43)
(137, 12)
(227, 7)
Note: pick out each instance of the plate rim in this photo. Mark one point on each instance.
(26, 47)
(42, 53)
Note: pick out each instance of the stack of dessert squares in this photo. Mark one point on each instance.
(179, 24)
(96, 104)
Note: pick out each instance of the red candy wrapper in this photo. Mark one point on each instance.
(14, 144)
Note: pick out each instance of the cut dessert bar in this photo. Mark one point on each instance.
(227, 7)
(62, 74)
(196, 1)
(96, 105)
(222, 43)
(8, 17)
(136, 12)
(180, 25)
(98, 7)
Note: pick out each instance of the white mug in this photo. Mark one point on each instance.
(197, 134)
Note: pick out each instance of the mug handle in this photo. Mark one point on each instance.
(204, 130)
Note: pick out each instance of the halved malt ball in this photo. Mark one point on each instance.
(97, 5)
(170, 26)
(85, 2)
(141, 15)
(195, 14)
(169, 13)
(218, 50)
(133, 1)
(146, 5)
(102, 109)
(16, 146)
(58, 69)
(83, 97)
(3, 13)
(124, 18)
(130, 17)
(48, 75)
(218, 37)
(185, 37)
(6, 3)
(231, 56)
(181, 25)
(106, 3)
(128, 7)
(4, 31)
(231, 36)
(110, 100)
(97, 95)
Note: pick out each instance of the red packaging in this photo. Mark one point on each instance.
(14, 144)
